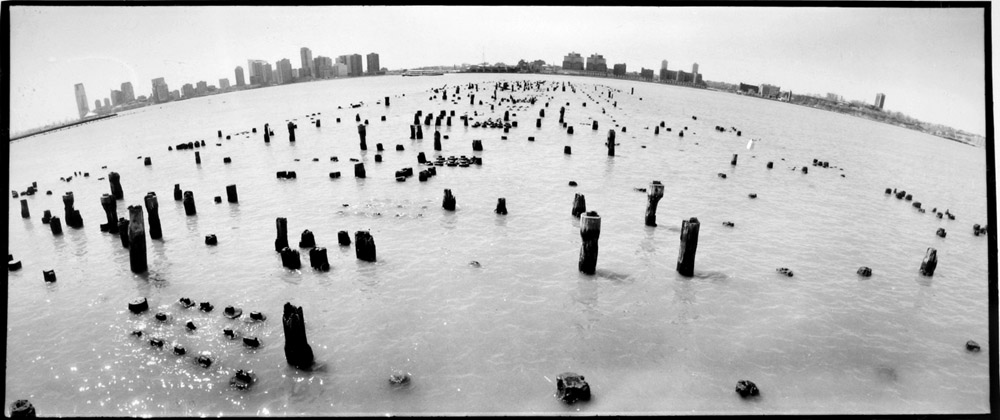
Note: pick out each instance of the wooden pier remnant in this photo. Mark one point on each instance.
(733, 162)
(116, 185)
(501, 206)
(359, 170)
(24, 209)
(449, 200)
(231, 195)
(571, 387)
(189, 207)
(344, 238)
(178, 194)
(298, 353)
(362, 132)
(653, 194)
(929, 264)
(55, 225)
(73, 218)
(153, 210)
(307, 240)
(579, 205)
(137, 240)
(364, 246)
(281, 242)
(437, 141)
(590, 231)
(290, 258)
(291, 132)
(689, 246)
(611, 142)
(318, 259)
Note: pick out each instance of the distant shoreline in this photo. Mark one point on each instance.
(62, 126)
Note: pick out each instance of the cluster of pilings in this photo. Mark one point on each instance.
(188, 146)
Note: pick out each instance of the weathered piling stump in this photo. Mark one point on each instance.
(189, 207)
(307, 241)
(291, 132)
(571, 388)
(47, 216)
(231, 195)
(929, 264)
(733, 162)
(13, 265)
(437, 141)
(178, 194)
(449, 200)
(689, 246)
(55, 225)
(477, 145)
(116, 185)
(611, 142)
(590, 231)
(569, 130)
(386, 101)
(421, 159)
(211, 240)
(364, 246)
(147, 162)
(153, 211)
(747, 389)
(73, 218)
(298, 353)
(290, 258)
(579, 204)
(653, 195)
(49, 276)
(941, 232)
(137, 240)
(318, 259)
(361, 135)
(24, 209)
(359, 170)
(567, 150)
(281, 241)
(972, 346)
(22, 409)
(501, 206)
(865, 272)
(378, 158)
(413, 132)
(123, 231)
(344, 238)
(138, 305)
(593, 125)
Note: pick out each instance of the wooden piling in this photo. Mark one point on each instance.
(47, 217)
(501, 206)
(689, 246)
(567, 150)
(344, 238)
(437, 141)
(189, 207)
(231, 195)
(24, 209)
(653, 195)
(178, 194)
(318, 259)
(123, 231)
(359, 170)
(55, 225)
(281, 242)
(116, 186)
(449, 200)
(477, 145)
(307, 240)
(298, 353)
(611, 142)
(137, 240)
(153, 210)
(590, 231)
(73, 218)
(733, 162)
(361, 135)
(364, 246)
(291, 132)
(593, 126)
(929, 264)
(579, 205)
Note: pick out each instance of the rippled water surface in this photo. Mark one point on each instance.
(492, 338)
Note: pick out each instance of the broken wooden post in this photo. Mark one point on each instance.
(55, 225)
(449, 200)
(189, 208)
(611, 142)
(654, 194)
(361, 135)
(437, 141)
(318, 259)
(22, 409)
(929, 263)
(47, 217)
(567, 150)
(123, 231)
(73, 218)
(364, 246)
(281, 242)
(291, 132)
(344, 238)
(386, 101)
(24, 209)
(116, 186)
(689, 246)
(571, 387)
(359, 170)
(733, 162)
(197, 158)
(267, 134)
(477, 145)
(290, 258)
(590, 231)
(231, 195)
(501, 206)
(579, 205)
(593, 126)
(153, 210)
(308, 240)
(413, 132)
(298, 353)
(137, 240)
(178, 194)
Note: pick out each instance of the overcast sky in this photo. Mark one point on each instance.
(928, 62)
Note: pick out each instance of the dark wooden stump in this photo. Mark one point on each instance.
(116, 185)
(359, 170)
(437, 141)
(501, 206)
(153, 211)
(189, 207)
(449, 201)
(55, 225)
(178, 194)
(137, 240)
(281, 242)
(929, 264)
(231, 195)
(579, 205)
(24, 209)
(123, 231)
(318, 259)
(290, 258)
(733, 162)
(344, 238)
(361, 136)
(307, 241)
(689, 246)
(590, 231)
(653, 196)
(22, 409)
(571, 388)
(298, 353)
(291, 132)
(364, 246)
(611, 142)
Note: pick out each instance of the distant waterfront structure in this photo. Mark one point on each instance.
(256, 69)
(239, 77)
(354, 65)
(308, 66)
(745, 88)
(694, 71)
(268, 74)
(879, 100)
(373, 65)
(175, 95)
(107, 103)
(116, 97)
(340, 70)
(572, 61)
(323, 66)
(768, 91)
(128, 94)
(160, 91)
(619, 69)
(283, 74)
(97, 105)
(187, 90)
(646, 73)
(201, 88)
(596, 62)
(224, 84)
(663, 65)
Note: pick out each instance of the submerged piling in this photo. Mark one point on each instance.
(281, 242)
(929, 264)
(189, 208)
(291, 132)
(654, 194)
(116, 185)
(298, 353)
(178, 194)
(733, 162)
(318, 259)
(24, 209)
(359, 170)
(689, 246)
(501, 206)
(611, 142)
(73, 218)
(231, 195)
(153, 210)
(590, 231)
(137, 240)
(364, 246)
(361, 135)
(449, 200)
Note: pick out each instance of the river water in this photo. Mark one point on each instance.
(492, 338)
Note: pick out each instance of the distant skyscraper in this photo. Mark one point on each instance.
(663, 65)
(308, 67)
(596, 62)
(283, 73)
(223, 84)
(694, 72)
(128, 94)
(116, 97)
(201, 88)
(256, 68)
(239, 77)
(619, 69)
(572, 61)
(880, 100)
(107, 103)
(268, 74)
(372, 63)
(97, 105)
(188, 90)
(323, 66)
(81, 100)
(160, 91)
(355, 65)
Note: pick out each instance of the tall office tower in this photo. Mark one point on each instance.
(239, 77)
(880, 100)
(224, 83)
(97, 105)
(372, 63)
(160, 91)
(201, 88)
(694, 72)
(107, 103)
(256, 69)
(619, 69)
(268, 74)
(128, 94)
(323, 66)
(355, 65)
(116, 97)
(572, 61)
(663, 65)
(81, 100)
(596, 62)
(283, 73)
(308, 67)
(188, 90)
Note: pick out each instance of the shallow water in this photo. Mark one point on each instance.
(491, 339)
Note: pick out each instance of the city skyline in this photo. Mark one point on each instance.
(853, 52)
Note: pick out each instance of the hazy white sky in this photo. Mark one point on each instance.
(930, 63)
